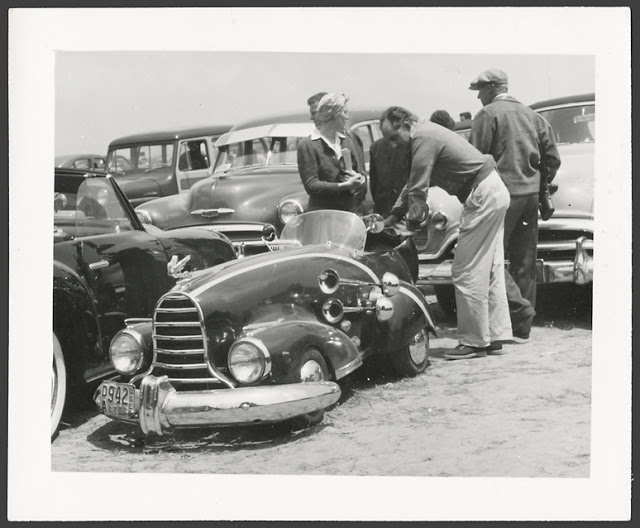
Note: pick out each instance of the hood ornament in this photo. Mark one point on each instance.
(175, 267)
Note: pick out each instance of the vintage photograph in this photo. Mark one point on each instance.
(290, 262)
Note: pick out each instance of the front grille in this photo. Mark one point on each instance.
(179, 344)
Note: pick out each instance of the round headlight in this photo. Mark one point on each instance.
(289, 209)
(439, 221)
(127, 352)
(249, 360)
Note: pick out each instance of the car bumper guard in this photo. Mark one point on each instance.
(160, 409)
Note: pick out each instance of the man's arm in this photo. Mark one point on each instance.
(482, 132)
(424, 153)
(550, 157)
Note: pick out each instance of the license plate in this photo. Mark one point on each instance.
(117, 399)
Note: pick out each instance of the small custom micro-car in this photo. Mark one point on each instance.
(107, 268)
(265, 339)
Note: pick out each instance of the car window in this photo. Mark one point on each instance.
(98, 163)
(140, 157)
(84, 163)
(257, 152)
(574, 124)
(194, 155)
(99, 210)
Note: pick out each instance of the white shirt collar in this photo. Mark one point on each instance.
(336, 147)
(503, 95)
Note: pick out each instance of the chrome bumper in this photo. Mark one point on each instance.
(160, 409)
(578, 271)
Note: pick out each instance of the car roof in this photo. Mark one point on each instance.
(356, 115)
(170, 135)
(588, 97)
(68, 157)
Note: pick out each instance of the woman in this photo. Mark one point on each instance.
(328, 180)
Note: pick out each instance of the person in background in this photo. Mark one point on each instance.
(443, 158)
(389, 167)
(465, 116)
(519, 139)
(329, 183)
(442, 117)
(355, 139)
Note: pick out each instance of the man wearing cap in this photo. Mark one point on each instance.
(520, 140)
(443, 158)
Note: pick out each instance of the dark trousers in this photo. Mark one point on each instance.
(520, 247)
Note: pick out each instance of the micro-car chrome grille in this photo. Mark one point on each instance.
(179, 344)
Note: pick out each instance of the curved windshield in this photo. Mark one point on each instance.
(343, 229)
(258, 152)
(573, 124)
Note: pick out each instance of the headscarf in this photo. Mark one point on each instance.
(330, 106)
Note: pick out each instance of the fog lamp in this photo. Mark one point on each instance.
(249, 360)
(384, 309)
(127, 352)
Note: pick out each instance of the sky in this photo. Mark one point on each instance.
(102, 95)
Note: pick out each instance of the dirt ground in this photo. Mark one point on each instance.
(526, 413)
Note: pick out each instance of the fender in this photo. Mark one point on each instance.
(287, 341)
(75, 319)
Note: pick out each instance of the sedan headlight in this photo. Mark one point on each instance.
(289, 209)
(439, 221)
(249, 360)
(127, 351)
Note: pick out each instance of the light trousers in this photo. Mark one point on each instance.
(478, 266)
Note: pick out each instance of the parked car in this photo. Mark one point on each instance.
(565, 242)
(81, 161)
(256, 179)
(108, 268)
(265, 339)
(157, 164)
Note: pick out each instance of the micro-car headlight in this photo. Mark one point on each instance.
(127, 351)
(249, 360)
(439, 221)
(289, 209)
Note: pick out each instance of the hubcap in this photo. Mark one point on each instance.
(418, 348)
(311, 371)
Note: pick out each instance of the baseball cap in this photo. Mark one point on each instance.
(492, 75)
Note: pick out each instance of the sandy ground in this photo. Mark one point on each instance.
(523, 414)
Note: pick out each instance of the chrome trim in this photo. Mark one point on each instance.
(260, 346)
(185, 352)
(99, 265)
(566, 105)
(233, 228)
(195, 381)
(565, 245)
(134, 321)
(212, 213)
(348, 368)
(176, 324)
(189, 366)
(175, 310)
(176, 338)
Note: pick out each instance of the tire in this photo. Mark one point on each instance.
(446, 296)
(314, 358)
(414, 358)
(58, 385)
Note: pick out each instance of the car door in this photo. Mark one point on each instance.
(368, 132)
(125, 267)
(194, 162)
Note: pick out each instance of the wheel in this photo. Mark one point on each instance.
(313, 367)
(58, 385)
(446, 296)
(414, 358)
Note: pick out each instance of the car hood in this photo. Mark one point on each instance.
(575, 180)
(254, 195)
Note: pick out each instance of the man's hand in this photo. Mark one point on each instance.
(390, 221)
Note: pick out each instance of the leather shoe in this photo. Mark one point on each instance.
(495, 349)
(523, 329)
(465, 352)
